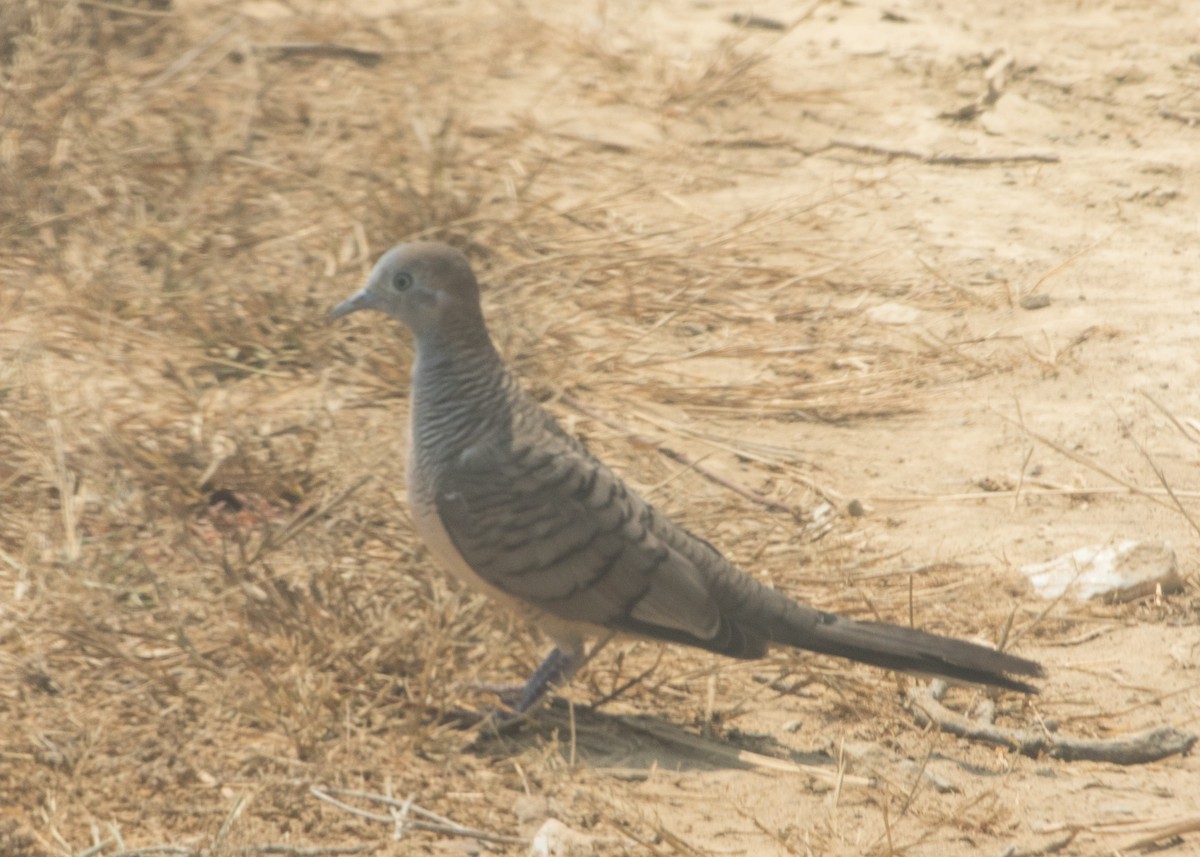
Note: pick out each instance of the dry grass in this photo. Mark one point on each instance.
(205, 602)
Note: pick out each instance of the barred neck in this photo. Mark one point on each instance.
(461, 393)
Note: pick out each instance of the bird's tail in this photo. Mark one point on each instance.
(905, 649)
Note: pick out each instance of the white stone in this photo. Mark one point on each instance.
(894, 313)
(1118, 571)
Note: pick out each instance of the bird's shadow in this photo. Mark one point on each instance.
(633, 745)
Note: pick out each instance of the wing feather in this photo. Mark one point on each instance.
(551, 525)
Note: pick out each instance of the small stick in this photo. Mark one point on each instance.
(1178, 828)
(95, 849)
(438, 823)
(1049, 848)
(1189, 119)
(310, 850)
(1187, 431)
(126, 10)
(616, 692)
(744, 451)
(1006, 630)
(967, 496)
(1086, 462)
(686, 461)
(1162, 477)
(185, 59)
(1068, 262)
(951, 160)
(227, 824)
(1154, 702)
(326, 49)
(1134, 749)
(1021, 479)
(1045, 611)
(571, 755)
(274, 539)
(401, 816)
(116, 832)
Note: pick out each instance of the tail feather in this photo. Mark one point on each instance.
(908, 650)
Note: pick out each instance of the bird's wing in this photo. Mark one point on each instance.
(552, 526)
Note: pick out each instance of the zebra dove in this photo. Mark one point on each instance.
(514, 506)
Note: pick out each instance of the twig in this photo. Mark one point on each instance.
(757, 452)
(616, 692)
(16, 566)
(1043, 613)
(437, 823)
(967, 496)
(1068, 262)
(95, 849)
(1052, 847)
(126, 10)
(309, 850)
(1158, 472)
(1021, 478)
(951, 160)
(67, 483)
(677, 842)
(400, 816)
(956, 351)
(183, 61)
(1136, 749)
(1085, 637)
(227, 824)
(760, 22)
(1189, 119)
(1188, 432)
(361, 56)
(1086, 462)
(273, 539)
(1154, 702)
(1163, 831)
(686, 461)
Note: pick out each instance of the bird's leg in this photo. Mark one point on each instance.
(555, 670)
(566, 659)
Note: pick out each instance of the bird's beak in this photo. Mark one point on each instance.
(361, 299)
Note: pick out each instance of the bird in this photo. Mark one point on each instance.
(513, 505)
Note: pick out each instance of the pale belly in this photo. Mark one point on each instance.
(566, 634)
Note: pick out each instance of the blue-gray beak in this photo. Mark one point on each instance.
(361, 299)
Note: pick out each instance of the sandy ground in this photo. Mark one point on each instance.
(794, 254)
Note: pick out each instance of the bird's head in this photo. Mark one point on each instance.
(428, 286)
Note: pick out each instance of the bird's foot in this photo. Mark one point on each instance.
(517, 700)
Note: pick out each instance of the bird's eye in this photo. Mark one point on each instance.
(401, 280)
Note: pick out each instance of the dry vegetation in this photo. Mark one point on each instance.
(212, 599)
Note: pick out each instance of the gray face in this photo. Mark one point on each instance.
(400, 286)
(425, 286)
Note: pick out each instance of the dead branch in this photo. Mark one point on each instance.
(1135, 749)
(285, 50)
(1052, 847)
(946, 160)
(686, 461)
(309, 850)
(436, 824)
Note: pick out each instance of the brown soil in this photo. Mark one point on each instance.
(795, 257)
